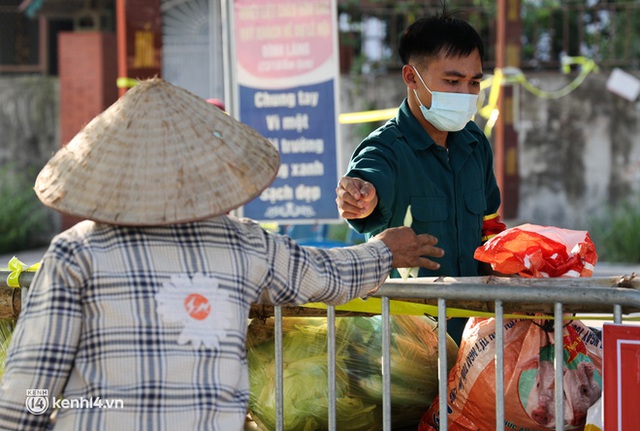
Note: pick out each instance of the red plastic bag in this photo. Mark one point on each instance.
(529, 389)
(540, 251)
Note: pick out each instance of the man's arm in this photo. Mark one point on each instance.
(410, 250)
(301, 274)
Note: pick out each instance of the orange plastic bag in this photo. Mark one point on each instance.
(529, 389)
(540, 251)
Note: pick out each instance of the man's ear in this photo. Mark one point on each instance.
(409, 76)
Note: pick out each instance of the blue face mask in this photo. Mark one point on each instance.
(449, 112)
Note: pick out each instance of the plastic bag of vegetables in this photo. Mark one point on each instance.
(6, 329)
(414, 364)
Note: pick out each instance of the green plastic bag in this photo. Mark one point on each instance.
(414, 371)
(6, 329)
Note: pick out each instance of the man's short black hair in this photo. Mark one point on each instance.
(441, 35)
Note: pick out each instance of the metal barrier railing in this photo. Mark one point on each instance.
(499, 295)
(582, 295)
(609, 295)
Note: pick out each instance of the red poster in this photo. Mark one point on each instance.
(621, 377)
(284, 39)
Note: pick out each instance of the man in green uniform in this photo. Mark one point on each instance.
(430, 161)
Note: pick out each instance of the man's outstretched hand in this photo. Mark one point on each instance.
(410, 250)
(356, 198)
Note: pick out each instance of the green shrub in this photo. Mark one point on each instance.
(24, 221)
(616, 234)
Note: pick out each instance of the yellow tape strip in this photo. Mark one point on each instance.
(587, 66)
(124, 82)
(374, 306)
(490, 111)
(396, 307)
(367, 116)
(490, 216)
(17, 267)
(487, 237)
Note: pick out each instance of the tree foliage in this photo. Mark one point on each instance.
(603, 30)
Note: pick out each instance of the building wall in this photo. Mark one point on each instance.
(88, 72)
(29, 133)
(578, 154)
(29, 122)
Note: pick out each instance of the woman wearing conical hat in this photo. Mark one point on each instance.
(137, 317)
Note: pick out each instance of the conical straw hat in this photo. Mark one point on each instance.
(159, 155)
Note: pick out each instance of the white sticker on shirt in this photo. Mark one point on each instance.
(191, 301)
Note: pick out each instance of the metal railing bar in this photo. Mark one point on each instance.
(558, 363)
(443, 375)
(386, 365)
(25, 279)
(539, 294)
(593, 283)
(277, 313)
(499, 363)
(617, 313)
(331, 371)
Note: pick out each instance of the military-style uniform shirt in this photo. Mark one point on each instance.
(450, 191)
(151, 322)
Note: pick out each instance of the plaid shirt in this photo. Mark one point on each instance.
(154, 319)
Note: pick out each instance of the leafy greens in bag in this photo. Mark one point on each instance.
(414, 365)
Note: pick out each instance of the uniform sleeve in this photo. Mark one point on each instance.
(43, 346)
(372, 163)
(492, 225)
(333, 276)
(491, 222)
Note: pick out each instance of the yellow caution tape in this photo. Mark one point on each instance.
(396, 307)
(17, 267)
(124, 82)
(490, 111)
(367, 116)
(587, 66)
(374, 306)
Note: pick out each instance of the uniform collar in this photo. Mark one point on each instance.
(418, 138)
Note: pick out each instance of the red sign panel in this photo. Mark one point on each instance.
(621, 377)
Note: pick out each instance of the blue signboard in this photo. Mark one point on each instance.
(298, 121)
(287, 70)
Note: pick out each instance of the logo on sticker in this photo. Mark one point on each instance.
(199, 305)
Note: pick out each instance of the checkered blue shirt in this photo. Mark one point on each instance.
(151, 321)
